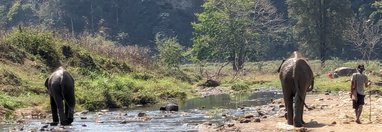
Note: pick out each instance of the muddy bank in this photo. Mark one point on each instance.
(331, 112)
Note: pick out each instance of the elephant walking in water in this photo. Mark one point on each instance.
(60, 86)
(296, 78)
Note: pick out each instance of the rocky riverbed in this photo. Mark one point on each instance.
(330, 112)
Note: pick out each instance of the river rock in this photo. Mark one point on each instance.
(257, 120)
(230, 124)
(248, 116)
(84, 125)
(244, 120)
(21, 121)
(333, 123)
(207, 123)
(169, 107)
(84, 112)
(211, 83)
(123, 122)
(105, 110)
(260, 113)
(300, 129)
(141, 114)
(284, 127)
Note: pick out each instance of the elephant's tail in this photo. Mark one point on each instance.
(299, 96)
(297, 87)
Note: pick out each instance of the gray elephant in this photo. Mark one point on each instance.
(60, 86)
(169, 107)
(296, 79)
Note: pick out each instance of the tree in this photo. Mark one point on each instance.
(319, 25)
(170, 51)
(364, 35)
(228, 31)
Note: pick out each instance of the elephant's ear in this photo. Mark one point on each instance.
(278, 70)
(46, 82)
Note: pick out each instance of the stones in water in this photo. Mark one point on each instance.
(141, 114)
(123, 122)
(170, 107)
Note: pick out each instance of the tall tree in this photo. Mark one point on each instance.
(229, 30)
(319, 25)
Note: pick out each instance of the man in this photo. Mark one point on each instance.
(358, 81)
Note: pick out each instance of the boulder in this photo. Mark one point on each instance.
(170, 107)
(343, 71)
(211, 83)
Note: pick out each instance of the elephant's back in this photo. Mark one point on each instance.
(286, 69)
(302, 69)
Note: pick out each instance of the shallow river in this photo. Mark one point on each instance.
(192, 112)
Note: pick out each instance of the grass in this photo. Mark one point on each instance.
(263, 75)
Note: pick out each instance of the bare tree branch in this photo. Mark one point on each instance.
(364, 36)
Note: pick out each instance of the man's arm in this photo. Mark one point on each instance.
(368, 83)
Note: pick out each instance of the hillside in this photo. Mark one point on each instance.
(103, 79)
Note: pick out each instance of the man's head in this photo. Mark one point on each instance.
(361, 68)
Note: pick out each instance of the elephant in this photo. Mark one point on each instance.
(169, 107)
(296, 79)
(60, 85)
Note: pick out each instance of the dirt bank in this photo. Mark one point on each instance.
(332, 112)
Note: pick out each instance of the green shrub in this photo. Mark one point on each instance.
(142, 76)
(239, 86)
(39, 43)
(170, 51)
(8, 102)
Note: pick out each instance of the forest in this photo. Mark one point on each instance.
(321, 29)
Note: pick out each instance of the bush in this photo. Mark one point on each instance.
(39, 43)
(239, 86)
(170, 51)
(8, 102)
(142, 76)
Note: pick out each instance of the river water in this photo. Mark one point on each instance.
(192, 112)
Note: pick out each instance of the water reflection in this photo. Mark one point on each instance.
(225, 101)
(189, 116)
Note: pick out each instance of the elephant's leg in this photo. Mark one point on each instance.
(69, 106)
(288, 100)
(69, 112)
(60, 107)
(299, 109)
(53, 107)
